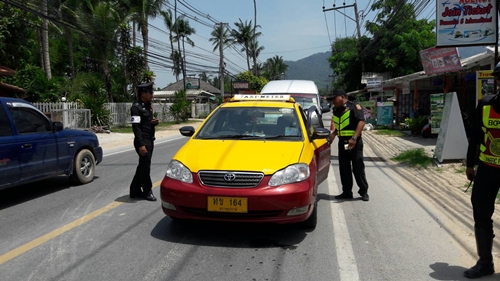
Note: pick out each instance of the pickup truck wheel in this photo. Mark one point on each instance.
(84, 167)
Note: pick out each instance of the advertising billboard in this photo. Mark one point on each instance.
(466, 22)
(440, 60)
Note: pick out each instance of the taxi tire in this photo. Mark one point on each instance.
(312, 221)
(83, 167)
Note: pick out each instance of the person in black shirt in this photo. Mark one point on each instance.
(143, 125)
(484, 142)
(348, 122)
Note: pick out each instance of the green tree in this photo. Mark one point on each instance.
(255, 83)
(244, 35)
(275, 68)
(103, 20)
(174, 56)
(17, 36)
(136, 65)
(215, 39)
(142, 11)
(254, 51)
(182, 32)
(180, 107)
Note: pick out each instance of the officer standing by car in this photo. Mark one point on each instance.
(485, 141)
(348, 121)
(143, 125)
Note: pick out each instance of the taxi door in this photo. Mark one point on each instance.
(322, 149)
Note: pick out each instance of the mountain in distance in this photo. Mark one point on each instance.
(317, 68)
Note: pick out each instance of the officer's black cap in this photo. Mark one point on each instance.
(145, 86)
(337, 93)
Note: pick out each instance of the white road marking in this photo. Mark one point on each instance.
(348, 270)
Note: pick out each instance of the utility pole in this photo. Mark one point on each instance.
(221, 64)
(357, 25)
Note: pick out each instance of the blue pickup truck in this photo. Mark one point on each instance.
(33, 147)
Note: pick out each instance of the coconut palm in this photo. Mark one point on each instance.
(254, 52)
(215, 39)
(244, 36)
(142, 11)
(182, 32)
(275, 67)
(174, 56)
(103, 20)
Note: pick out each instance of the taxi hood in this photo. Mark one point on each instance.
(239, 155)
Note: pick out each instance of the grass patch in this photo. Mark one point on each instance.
(160, 126)
(460, 170)
(390, 132)
(414, 157)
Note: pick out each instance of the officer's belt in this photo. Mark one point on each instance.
(346, 133)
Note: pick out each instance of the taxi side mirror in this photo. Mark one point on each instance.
(320, 133)
(187, 131)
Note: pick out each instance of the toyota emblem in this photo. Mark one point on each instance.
(229, 177)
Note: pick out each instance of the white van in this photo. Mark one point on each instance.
(304, 92)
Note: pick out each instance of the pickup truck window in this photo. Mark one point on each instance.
(29, 121)
(5, 129)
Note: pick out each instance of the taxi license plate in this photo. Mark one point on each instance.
(227, 204)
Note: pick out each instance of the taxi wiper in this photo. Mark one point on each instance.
(282, 136)
(226, 137)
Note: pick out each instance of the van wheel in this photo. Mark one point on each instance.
(83, 167)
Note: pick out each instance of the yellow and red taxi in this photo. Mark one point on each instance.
(257, 158)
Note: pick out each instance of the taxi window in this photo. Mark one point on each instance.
(248, 122)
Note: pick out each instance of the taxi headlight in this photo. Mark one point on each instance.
(177, 171)
(291, 174)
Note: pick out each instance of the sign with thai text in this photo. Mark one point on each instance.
(440, 60)
(466, 22)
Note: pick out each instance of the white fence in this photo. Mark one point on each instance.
(73, 115)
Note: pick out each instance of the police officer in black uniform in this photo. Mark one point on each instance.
(484, 142)
(143, 124)
(348, 122)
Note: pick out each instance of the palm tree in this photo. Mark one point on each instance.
(183, 30)
(103, 20)
(255, 50)
(244, 36)
(142, 11)
(169, 23)
(275, 67)
(67, 12)
(215, 39)
(45, 39)
(255, 55)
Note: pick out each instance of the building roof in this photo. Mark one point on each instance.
(179, 85)
(467, 63)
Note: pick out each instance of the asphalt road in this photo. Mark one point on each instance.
(54, 231)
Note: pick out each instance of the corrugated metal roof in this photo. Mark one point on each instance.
(179, 85)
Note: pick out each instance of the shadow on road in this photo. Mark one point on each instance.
(231, 235)
(445, 271)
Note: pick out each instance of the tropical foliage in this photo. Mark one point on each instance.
(397, 38)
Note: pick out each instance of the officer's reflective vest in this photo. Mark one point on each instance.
(341, 123)
(490, 147)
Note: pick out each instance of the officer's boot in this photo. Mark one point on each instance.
(484, 266)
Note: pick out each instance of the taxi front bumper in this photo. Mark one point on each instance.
(264, 203)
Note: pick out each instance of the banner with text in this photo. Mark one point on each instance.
(440, 60)
(466, 22)
(485, 84)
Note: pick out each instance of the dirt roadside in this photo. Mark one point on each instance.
(441, 187)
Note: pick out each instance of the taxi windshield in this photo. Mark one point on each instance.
(252, 123)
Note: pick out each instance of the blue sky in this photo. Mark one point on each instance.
(292, 29)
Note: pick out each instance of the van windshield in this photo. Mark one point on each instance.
(306, 101)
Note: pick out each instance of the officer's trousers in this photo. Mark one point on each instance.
(484, 194)
(354, 157)
(142, 177)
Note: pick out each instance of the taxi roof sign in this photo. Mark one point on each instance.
(262, 97)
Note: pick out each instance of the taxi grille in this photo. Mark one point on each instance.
(230, 179)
